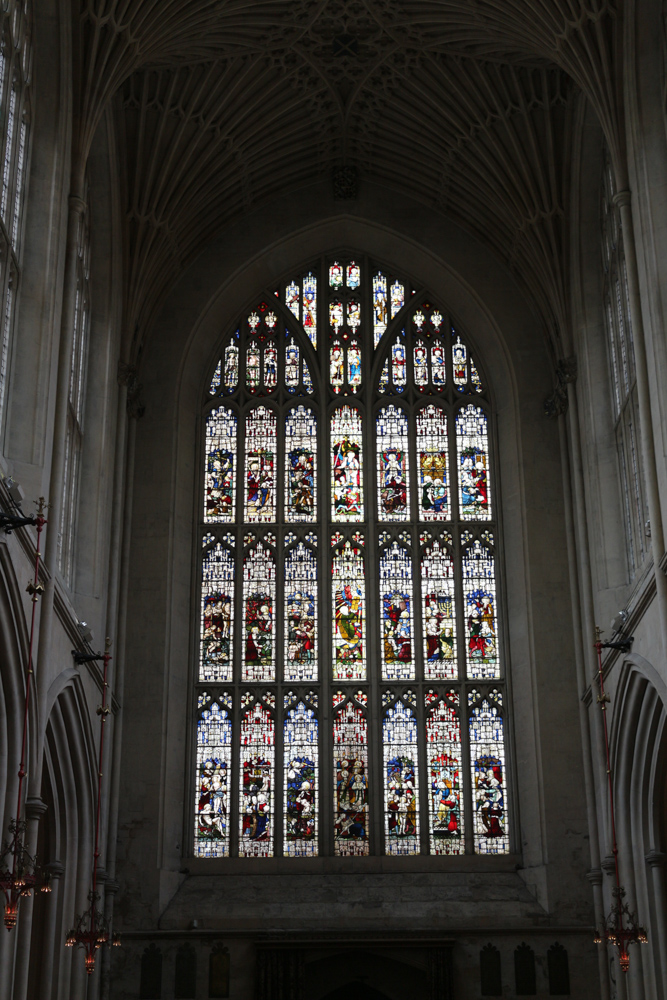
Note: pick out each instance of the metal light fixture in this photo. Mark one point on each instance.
(20, 874)
(91, 930)
(621, 928)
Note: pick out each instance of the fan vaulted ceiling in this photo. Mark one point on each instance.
(465, 104)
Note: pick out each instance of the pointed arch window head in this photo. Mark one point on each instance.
(348, 573)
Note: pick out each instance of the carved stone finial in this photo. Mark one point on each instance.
(567, 369)
(345, 183)
(566, 373)
(127, 376)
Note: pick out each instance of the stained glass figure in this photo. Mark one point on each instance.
(398, 373)
(220, 482)
(439, 616)
(353, 272)
(300, 465)
(460, 364)
(474, 377)
(419, 319)
(270, 366)
(310, 308)
(259, 603)
(420, 364)
(384, 377)
(292, 365)
(253, 321)
(270, 320)
(433, 465)
(479, 606)
(353, 314)
(212, 781)
(300, 615)
(379, 307)
(489, 780)
(252, 366)
(258, 737)
(335, 275)
(443, 760)
(438, 370)
(396, 638)
(346, 464)
(260, 454)
(337, 366)
(350, 746)
(292, 298)
(436, 320)
(307, 381)
(472, 445)
(349, 614)
(217, 616)
(401, 781)
(215, 381)
(336, 315)
(392, 452)
(301, 783)
(231, 367)
(397, 298)
(354, 365)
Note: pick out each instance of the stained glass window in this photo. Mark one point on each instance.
(257, 795)
(443, 760)
(433, 465)
(350, 775)
(349, 619)
(489, 781)
(401, 779)
(259, 605)
(212, 780)
(396, 631)
(300, 464)
(472, 443)
(379, 307)
(220, 491)
(260, 465)
(302, 780)
(479, 596)
(217, 615)
(438, 613)
(348, 573)
(301, 622)
(346, 466)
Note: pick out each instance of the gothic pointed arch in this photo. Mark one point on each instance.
(350, 661)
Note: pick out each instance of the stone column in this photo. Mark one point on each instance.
(34, 810)
(111, 887)
(594, 877)
(656, 861)
(56, 870)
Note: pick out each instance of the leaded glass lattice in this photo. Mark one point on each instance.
(401, 780)
(212, 779)
(257, 767)
(348, 566)
(301, 784)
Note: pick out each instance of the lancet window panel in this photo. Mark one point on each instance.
(213, 774)
(623, 382)
(301, 776)
(400, 742)
(15, 113)
(349, 645)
